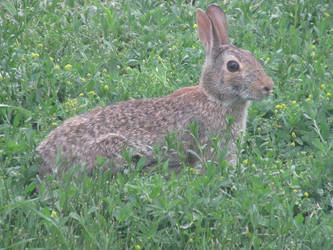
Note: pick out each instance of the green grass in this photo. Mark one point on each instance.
(280, 195)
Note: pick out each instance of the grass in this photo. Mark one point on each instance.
(64, 57)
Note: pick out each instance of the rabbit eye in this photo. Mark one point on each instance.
(233, 66)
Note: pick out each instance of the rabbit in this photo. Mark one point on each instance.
(230, 79)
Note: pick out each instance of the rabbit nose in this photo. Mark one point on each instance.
(267, 89)
(268, 86)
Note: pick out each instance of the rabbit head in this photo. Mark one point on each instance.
(230, 75)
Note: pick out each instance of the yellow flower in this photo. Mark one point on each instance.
(71, 103)
(191, 240)
(326, 14)
(295, 191)
(81, 94)
(259, 129)
(293, 135)
(328, 94)
(83, 79)
(253, 165)
(68, 83)
(195, 26)
(51, 59)
(278, 106)
(306, 194)
(159, 59)
(293, 102)
(34, 55)
(40, 45)
(54, 124)
(309, 98)
(323, 86)
(91, 93)
(193, 171)
(53, 214)
(245, 162)
(293, 144)
(137, 247)
(88, 75)
(128, 68)
(106, 87)
(268, 59)
(283, 105)
(57, 67)
(104, 71)
(1, 77)
(313, 46)
(67, 67)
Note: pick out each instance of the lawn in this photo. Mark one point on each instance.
(63, 57)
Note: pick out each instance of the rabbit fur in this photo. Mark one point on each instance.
(141, 124)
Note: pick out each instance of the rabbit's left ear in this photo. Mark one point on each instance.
(205, 31)
(219, 20)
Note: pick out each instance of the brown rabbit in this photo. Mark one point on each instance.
(230, 78)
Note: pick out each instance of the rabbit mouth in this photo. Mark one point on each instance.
(257, 92)
(257, 96)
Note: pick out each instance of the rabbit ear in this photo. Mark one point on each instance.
(219, 20)
(205, 30)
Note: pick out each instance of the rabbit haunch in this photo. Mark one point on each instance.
(142, 124)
